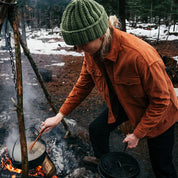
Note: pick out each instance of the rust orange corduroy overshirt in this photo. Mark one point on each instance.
(140, 81)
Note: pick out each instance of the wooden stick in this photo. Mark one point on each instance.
(14, 22)
(31, 146)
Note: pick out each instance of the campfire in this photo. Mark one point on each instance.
(65, 154)
(6, 165)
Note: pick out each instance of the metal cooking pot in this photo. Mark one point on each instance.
(118, 165)
(35, 157)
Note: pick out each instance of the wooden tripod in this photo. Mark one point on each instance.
(9, 10)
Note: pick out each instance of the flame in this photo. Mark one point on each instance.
(7, 164)
(9, 167)
(37, 172)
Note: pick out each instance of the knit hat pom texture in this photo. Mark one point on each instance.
(83, 21)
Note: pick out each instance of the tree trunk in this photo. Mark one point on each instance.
(158, 30)
(169, 21)
(151, 11)
(174, 27)
(14, 22)
(122, 14)
(22, 19)
(3, 12)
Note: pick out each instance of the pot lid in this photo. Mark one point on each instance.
(118, 164)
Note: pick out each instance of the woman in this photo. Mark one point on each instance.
(132, 80)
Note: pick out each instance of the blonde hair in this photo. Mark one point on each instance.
(113, 21)
(106, 46)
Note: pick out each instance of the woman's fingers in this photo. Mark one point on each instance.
(52, 122)
(132, 140)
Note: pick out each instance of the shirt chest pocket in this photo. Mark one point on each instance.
(98, 79)
(130, 86)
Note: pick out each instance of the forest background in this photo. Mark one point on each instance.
(47, 13)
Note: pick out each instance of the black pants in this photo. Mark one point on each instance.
(160, 148)
(99, 131)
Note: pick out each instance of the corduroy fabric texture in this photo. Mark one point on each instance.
(83, 21)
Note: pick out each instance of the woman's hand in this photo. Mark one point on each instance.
(51, 122)
(132, 140)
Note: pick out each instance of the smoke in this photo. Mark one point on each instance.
(29, 96)
(11, 139)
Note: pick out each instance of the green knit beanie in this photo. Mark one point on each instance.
(83, 21)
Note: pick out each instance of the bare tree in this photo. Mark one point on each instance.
(122, 14)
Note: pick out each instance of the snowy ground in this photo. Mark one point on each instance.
(152, 34)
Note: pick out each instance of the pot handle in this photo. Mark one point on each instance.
(18, 139)
(34, 131)
(125, 146)
(13, 149)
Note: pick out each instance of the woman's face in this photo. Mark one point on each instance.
(91, 47)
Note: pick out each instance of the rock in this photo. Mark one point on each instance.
(84, 173)
(46, 74)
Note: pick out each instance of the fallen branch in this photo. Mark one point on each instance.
(15, 104)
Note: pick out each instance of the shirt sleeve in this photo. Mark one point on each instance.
(156, 87)
(79, 92)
